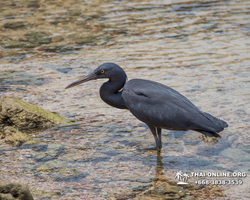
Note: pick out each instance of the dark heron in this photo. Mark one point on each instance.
(155, 104)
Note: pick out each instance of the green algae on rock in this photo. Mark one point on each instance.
(20, 114)
(12, 136)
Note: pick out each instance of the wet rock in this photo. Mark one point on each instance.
(16, 78)
(12, 44)
(12, 136)
(68, 175)
(59, 48)
(54, 22)
(57, 38)
(36, 145)
(84, 156)
(6, 196)
(52, 151)
(17, 113)
(45, 194)
(50, 165)
(235, 154)
(241, 167)
(171, 192)
(171, 182)
(86, 40)
(10, 17)
(14, 25)
(215, 149)
(134, 178)
(190, 163)
(75, 12)
(11, 54)
(32, 4)
(65, 70)
(29, 45)
(73, 156)
(163, 178)
(140, 186)
(163, 192)
(189, 198)
(38, 38)
(14, 191)
(246, 148)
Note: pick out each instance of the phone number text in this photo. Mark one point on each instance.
(219, 182)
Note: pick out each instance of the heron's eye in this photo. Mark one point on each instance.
(102, 71)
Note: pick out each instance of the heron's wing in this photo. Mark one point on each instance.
(161, 106)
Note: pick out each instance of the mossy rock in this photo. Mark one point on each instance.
(12, 191)
(38, 38)
(86, 40)
(163, 192)
(14, 25)
(12, 44)
(13, 136)
(20, 114)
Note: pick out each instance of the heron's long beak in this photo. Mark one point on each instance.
(89, 77)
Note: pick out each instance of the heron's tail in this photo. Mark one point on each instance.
(220, 124)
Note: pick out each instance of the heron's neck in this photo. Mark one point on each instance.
(111, 94)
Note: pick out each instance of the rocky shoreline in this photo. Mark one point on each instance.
(16, 115)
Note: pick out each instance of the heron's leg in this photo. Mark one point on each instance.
(153, 130)
(159, 161)
(159, 136)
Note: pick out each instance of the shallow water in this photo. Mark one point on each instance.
(200, 49)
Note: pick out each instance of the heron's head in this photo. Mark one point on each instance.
(107, 70)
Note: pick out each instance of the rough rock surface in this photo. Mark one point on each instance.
(17, 113)
(12, 136)
(164, 192)
(14, 191)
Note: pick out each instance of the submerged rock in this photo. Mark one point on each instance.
(68, 175)
(12, 191)
(236, 155)
(17, 113)
(59, 48)
(57, 38)
(12, 136)
(38, 38)
(86, 40)
(14, 25)
(52, 151)
(51, 165)
(12, 44)
(163, 192)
